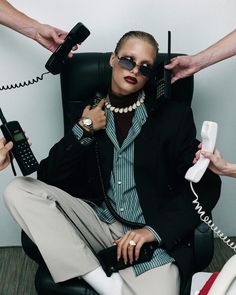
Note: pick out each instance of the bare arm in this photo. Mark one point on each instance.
(184, 66)
(48, 36)
(16, 20)
(224, 48)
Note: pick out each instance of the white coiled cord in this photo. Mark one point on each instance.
(209, 222)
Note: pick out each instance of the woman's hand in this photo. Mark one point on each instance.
(136, 237)
(97, 115)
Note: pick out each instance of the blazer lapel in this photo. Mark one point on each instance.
(105, 151)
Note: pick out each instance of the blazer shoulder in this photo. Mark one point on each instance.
(173, 109)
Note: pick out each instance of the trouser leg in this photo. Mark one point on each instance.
(32, 204)
(163, 280)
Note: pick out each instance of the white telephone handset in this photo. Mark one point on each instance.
(208, 133)
(194, 174)
(224, 283)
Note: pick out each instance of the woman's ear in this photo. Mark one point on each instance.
(112, 59)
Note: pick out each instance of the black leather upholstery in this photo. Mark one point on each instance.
(83, 76)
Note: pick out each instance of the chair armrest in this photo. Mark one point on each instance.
(203, 246)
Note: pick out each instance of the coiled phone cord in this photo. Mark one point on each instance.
(23, 84)
(206, 219)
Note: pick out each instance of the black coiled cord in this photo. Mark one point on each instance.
(23, 84)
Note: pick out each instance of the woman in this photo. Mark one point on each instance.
(136, 151)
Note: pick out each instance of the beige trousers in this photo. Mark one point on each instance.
(34, 206)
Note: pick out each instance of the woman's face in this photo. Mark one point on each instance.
(126, 81)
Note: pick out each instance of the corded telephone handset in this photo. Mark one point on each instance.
(163, 76)
(22, 152)
(76, 36)
(56, 61)
(194, 174)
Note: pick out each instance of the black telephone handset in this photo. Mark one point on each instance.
(163, 76)
(22, 152)
(76, 36)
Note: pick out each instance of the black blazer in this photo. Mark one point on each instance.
(163, 151)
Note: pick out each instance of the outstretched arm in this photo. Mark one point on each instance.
(46, 35)
(184, 66)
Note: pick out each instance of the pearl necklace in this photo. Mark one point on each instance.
(132, 107)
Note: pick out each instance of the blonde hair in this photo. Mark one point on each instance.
(139, 35)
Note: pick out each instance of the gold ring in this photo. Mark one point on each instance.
(132, 243)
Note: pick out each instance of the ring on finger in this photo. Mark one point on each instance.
(132, 243)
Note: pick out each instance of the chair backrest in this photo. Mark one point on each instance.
(88, 73)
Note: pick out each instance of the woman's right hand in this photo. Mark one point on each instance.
(97, 115)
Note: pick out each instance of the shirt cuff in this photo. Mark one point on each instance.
(154, 233)
(82, 135)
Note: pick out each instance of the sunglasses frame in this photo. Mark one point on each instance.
(125, 61)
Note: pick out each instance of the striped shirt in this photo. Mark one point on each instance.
(122, 191)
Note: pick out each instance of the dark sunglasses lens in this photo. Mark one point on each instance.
(146, 71)
(126, 63)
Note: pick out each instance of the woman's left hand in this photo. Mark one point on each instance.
(130, 244)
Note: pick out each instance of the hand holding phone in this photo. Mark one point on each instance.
(22, 152)
(76, 36)
(209, 134)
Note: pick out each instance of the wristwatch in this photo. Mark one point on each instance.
(87, 123)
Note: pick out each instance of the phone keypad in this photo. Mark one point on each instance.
(160, 88)
(26, 155)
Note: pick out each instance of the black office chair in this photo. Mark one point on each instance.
(83, 76)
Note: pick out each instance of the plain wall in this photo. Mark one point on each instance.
(194, 24)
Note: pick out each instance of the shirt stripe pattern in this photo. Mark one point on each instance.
(122, 191)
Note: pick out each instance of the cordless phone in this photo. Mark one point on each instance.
(21, 150)
(163, 76)
(76, 36)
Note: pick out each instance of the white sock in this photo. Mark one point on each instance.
(102, 284)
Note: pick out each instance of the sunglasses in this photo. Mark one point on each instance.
(129, 64)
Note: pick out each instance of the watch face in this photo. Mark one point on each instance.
(87, 121)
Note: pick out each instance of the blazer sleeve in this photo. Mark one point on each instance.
(64, 158)
(178, 217)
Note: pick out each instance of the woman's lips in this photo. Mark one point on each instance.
(131, 80)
